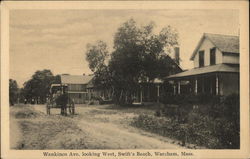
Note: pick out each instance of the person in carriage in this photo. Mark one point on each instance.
(59, 98)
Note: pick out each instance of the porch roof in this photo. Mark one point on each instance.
(207, 69)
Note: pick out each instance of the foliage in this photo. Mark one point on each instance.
(96, 55)
(213, 126)
(189, 99)
(139, 55)
(13, 91)
(228, 121)
(38, 86)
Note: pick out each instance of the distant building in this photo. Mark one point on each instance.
(216, 67)
(77, 87)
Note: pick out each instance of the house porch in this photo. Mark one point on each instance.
(216, 83)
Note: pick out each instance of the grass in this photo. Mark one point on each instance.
(51, 134)
(39, 131)
(26, 113)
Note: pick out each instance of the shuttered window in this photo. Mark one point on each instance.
(212, 56)
(201, 58)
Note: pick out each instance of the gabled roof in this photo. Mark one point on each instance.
(207, 69)
(75, 79)
(225, 43)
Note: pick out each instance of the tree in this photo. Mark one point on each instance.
(38, 86)
(13, 91)
(96, 55)
(139, 56)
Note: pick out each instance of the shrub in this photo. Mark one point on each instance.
(227, 128)
(189, 99)
(213, 125)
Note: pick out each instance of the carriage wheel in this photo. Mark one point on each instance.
(72, 108)
(48, 109)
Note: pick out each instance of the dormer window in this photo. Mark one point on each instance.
(212, 56)
(201, 58)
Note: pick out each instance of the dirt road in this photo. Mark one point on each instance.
(109, 128)
(93, 127)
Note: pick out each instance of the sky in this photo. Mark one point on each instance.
(57, 39)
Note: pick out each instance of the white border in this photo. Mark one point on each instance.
(244, 64)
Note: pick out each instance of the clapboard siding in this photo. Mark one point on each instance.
(77, 87)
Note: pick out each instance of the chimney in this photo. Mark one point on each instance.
(177, 55)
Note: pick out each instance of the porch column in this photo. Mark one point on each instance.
(158, 93)
(217, 85)
(179, 87)
(174, 90)
(196, 86)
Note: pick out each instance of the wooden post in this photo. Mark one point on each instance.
(158, 93)
(196, 86)
(126, 97)
(174, 90)
(179, 87)
(217, 85)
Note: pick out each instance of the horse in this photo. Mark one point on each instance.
(63, 102)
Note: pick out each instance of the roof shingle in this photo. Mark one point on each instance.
(225, 43)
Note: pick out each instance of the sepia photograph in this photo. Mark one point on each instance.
(124, 79)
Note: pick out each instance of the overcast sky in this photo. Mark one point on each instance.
(56, 39)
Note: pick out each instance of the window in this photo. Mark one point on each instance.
(201, 58)
(212, 56)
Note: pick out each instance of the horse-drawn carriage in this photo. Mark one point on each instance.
(59, 98)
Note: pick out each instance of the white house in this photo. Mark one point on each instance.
(216, 67)
(77, 87)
